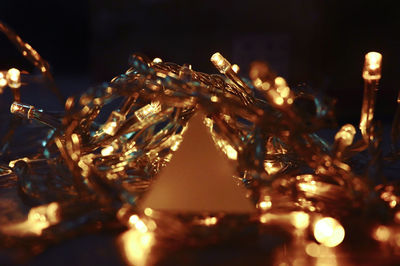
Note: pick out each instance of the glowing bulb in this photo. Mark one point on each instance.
(140, 226)
(14, 78)
(258, 83)
(148, 211)
(373, 60)
(397, 217)
(279, 81)
(346, 134)
(13, 74)
(110, 128)
(15, 107)
(214, 99)
(231, 152)
(157, 60)
(265, 86)
(284, 91)
(220, 62)
(235, 68)
(133, 219)
(372, 66)
(279, 100)
(264, 205)
(309, 187)
(136, 247)
(107, 150)
(382, 233)
(3, 81)
(210, 221)
(300, 220)
(329, 232)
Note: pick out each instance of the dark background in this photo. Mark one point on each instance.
(322, 43)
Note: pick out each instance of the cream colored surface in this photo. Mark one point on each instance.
(198, 178)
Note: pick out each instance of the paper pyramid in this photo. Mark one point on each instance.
(198, 178)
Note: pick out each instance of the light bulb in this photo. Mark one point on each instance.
(14, 78)
(220, 62)
(372, 66)
(329, 232)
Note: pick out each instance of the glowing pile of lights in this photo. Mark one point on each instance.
(105, 160)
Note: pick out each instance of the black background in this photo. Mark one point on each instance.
(322, 43)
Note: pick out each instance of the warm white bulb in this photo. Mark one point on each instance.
(14, 78)
(372, 66)
(329, 232)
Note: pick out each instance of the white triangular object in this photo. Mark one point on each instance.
(198, 178)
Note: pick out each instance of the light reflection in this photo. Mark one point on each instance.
(226, 148)
(307, 183)
(176, 140)
(324, 255)
(265, 218)
(309, 187)
(329, 232)
(136, 246)
(207, 221)
(272, 167)
(39, 218)
(12, 163)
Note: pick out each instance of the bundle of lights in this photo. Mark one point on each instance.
(93, 165)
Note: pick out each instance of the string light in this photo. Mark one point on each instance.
(258, 123)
